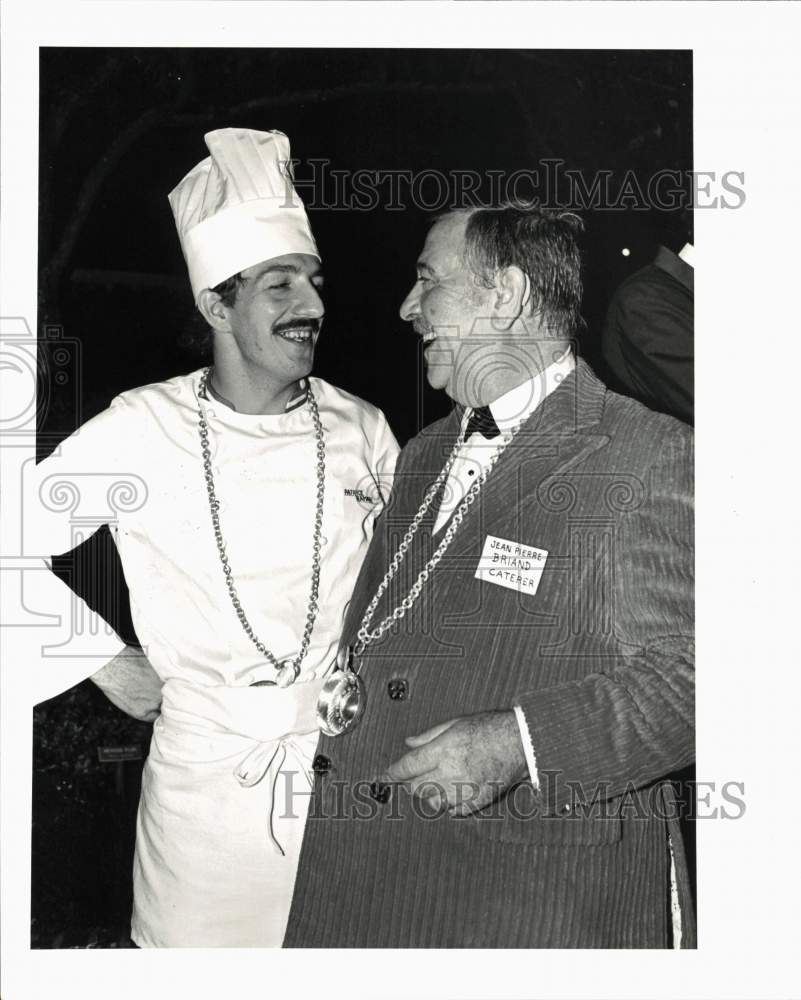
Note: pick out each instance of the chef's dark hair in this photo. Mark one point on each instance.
(197, 336)
(543, 243)
(229, 289)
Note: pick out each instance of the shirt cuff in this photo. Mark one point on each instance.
(528, 746)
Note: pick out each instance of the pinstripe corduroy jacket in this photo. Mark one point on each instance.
(601, 660)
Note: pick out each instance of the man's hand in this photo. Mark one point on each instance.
(130, 683)
(465, 763)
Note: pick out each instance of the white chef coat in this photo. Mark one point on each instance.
(225, 787)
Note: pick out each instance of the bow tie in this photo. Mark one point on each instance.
(482, 420)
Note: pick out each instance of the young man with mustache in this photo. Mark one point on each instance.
(258, 488)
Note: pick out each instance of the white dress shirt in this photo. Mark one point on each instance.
(687, 254)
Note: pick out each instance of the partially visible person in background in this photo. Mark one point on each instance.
(648, 349)
(647, 340)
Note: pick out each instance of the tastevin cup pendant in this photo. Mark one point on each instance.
(287, 672)
(343, 697)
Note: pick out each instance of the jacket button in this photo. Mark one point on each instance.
(380, 792)
(321, 764)
(398, 689)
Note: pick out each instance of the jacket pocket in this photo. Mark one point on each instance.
(519, 818)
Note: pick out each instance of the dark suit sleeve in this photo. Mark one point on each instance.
(632, 723)
(647, 344)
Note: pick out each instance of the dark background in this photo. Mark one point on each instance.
(118, 129)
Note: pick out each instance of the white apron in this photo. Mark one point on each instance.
(224, 799)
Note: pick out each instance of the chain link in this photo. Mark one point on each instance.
(214, 507)
(364, 636)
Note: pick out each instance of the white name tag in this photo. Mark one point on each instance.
(510, 564)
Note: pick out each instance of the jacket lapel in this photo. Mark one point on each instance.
(436, 455)
(558, 436)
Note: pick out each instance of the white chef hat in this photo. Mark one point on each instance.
(238, 207)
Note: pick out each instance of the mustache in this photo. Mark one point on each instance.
(420, 327)
(312, 325)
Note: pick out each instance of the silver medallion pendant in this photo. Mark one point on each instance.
(342, 699)
(287, 673)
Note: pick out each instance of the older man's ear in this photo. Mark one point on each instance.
(512, 295)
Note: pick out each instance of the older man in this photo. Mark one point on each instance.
(259, 487)
(522, 630)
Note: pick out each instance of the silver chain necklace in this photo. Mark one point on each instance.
(289, 668)
(364, 636)
(343, 697)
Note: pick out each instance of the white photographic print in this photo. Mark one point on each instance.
(355, 539)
